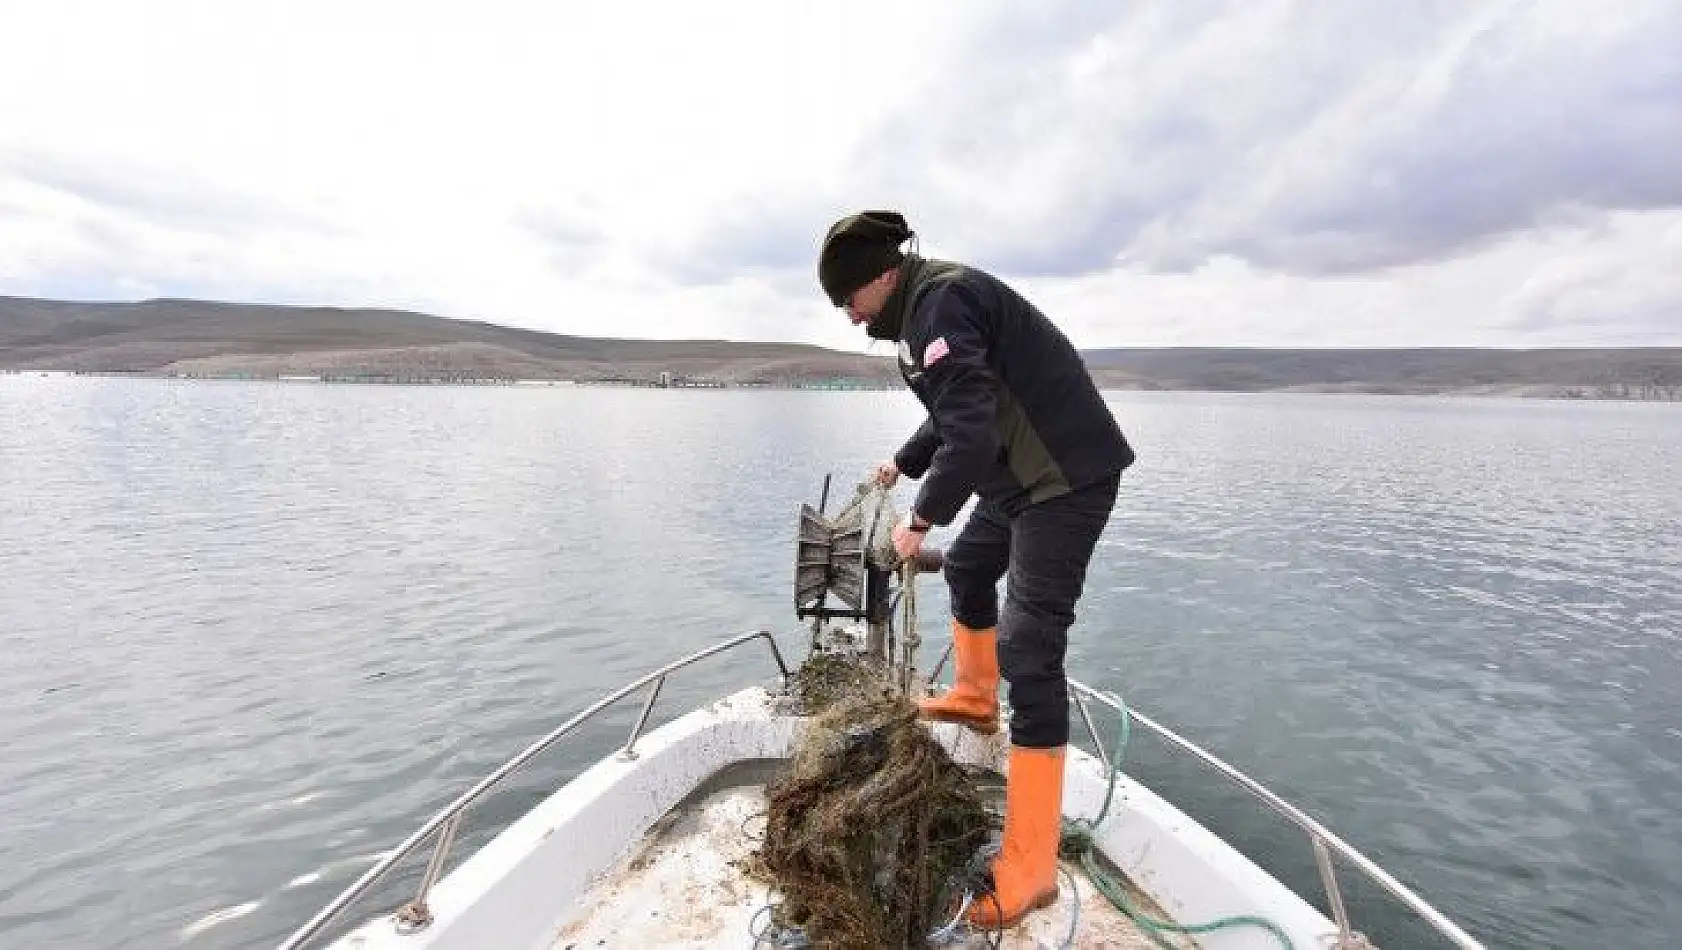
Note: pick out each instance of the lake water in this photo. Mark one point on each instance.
(252, 634)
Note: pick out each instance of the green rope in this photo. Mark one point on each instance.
(1078, 843)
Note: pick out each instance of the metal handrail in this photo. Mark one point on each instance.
(1323, 840)
(415, 915)
(447, 821)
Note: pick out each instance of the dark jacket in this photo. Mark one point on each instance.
(1014, 417)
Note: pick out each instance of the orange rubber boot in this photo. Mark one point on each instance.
(973, 699)
(1025, 872)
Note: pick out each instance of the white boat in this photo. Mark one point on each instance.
(645, 848)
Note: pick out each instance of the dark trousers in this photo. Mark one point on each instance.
(1045, 549)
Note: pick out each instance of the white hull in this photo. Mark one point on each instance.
(530, 888)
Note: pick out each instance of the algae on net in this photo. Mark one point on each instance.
(871, 829)
(828, 678)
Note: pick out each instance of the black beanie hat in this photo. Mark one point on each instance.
(858, 249)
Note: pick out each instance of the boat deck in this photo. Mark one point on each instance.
(684, 886)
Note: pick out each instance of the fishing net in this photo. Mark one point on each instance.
(828, 678)
(872, 828)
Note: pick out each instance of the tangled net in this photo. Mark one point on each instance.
(872, 823)
(826, 679)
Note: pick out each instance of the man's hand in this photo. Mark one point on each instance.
(886, 473)
(906, 541)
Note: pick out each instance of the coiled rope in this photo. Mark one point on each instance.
(1079, 841)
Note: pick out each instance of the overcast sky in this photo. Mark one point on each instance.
(1338, 173)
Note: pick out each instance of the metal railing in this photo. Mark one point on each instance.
(1325, 843)
(414, 915)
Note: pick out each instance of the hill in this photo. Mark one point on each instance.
(1651, 373)
(204, 338)
(193, 337)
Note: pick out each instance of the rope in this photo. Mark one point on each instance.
(773, 935)
(1074, 908)
(1079, 837)
(908, 594)
(943, 935)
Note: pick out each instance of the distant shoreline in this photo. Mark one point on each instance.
(196, 339)
(1555, 393)
(845, 385)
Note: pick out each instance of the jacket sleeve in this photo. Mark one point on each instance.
(914, 457)
(962, 404)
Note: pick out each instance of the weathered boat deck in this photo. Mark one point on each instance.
(685, 887)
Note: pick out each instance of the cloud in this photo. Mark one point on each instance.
(156, 194)
(770, 236)
(1262, 172)
(1625, 282)
(572, 238)
(1511, 122)
(1616, 284)
(1316, 139)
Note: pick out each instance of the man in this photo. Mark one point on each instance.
(1015, 419)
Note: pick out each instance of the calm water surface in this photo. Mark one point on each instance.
(252, 634)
